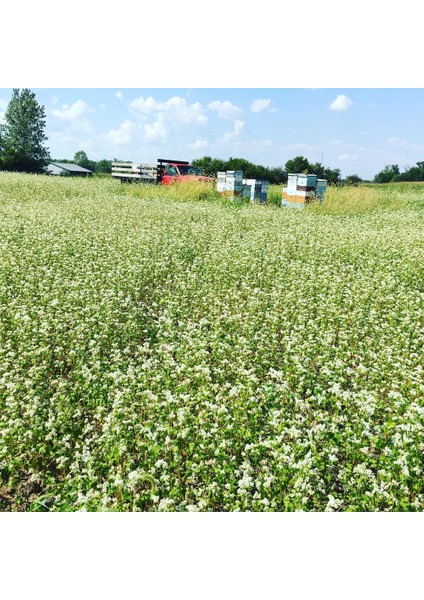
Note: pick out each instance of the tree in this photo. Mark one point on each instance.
(211, 166)
(299, 164)
(317, 169)
(22, 134)
(387, 174)
(411, 173)
(352, 180)
(81, 159)
(104, 166)
(331, 175)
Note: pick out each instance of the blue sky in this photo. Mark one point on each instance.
(356, 130)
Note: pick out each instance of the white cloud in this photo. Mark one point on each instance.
(73, 112)
(156, 131)
(230, 136)
(123, 135)
(76, 117)
(176, 111)
(119, 95)
(261, 104)
(341, 103)
(395, 141)
(348, 156)
(198, 144)
(262, 143)
(299, 147)
(145, 106)
(156, 120)
(225, 110)
(130, 131)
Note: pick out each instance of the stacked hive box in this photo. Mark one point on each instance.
(255, 190)
(302, 189)
(321, 189)
(248, 188)
(231, 182)
(264, 192)
(220, 181)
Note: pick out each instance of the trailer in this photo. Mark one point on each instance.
(165, 172)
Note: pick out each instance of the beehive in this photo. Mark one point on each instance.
(248, 188)
(302, 188)
(220, 181)
(264, 192)
(230, 183)
(321, 189)
(255, 190)
(295, 200)
(291, 183)
(306, 182)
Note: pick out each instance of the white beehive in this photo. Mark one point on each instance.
(291, 183)
(302, 189)
(230, 183)
(220, 181)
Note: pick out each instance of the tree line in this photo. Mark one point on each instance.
(277, 175)
(391, 173)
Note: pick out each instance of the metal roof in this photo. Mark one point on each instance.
(71, 167)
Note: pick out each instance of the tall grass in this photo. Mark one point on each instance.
(361, 199)
(338, 200)
(179, 191)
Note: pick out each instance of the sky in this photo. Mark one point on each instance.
(357, 130)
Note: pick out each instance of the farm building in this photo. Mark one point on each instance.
(70, 169)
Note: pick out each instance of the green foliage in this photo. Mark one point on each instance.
(275, 175)
(332, 175)
(299, 164)
(387, 174)
(104, 166)
(412, 174)
(318, 169)
(22, 135)
(81, 159)
(211, 166)
(352, 180)
(391, 173)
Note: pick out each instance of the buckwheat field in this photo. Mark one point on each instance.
(165, 350)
